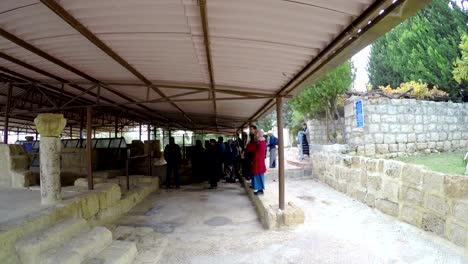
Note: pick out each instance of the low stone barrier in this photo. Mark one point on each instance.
(268, 210)
(102, 205)
(14, 167)
(432, 201)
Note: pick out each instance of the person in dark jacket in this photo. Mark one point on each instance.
(212, 169)
(197, 161)
(172, 155)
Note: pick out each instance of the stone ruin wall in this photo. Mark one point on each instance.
(406, 126)
(432, 201)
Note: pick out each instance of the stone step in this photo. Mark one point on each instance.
(119, 252)
(29, 248)
(80, 248)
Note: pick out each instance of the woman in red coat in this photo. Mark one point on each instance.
(258, 163)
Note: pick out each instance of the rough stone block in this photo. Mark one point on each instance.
(401, 138)
(401, 147)
(412, 196)
(433, 181)
(460, 211)
(418, 128)
(421, 146)
(395, 128)
(392, 168)
(374, 128)
(356, 162)
(387, 207)
(389, 139)
(374, 183)
(412, 175)
(370, 149)
(433, 223)
(378, 138)
(411, 215)
(436, 204)
(410, 147)
(456, 186)
(440, 146)
(382, 148)
(411, 138)
(392, 148)
(447, 145)
(406, 128)
(293, 215)
(457, 234)
(370, 200)
(384, 128)
(90, 205)
(390, 191)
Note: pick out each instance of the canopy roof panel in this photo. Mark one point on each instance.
(192, 64)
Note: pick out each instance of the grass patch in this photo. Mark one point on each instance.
(446, 162)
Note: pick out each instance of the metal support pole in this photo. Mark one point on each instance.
(37, 135)
(149, 132)
(71, 132)
(89, 147)
(126, 174)
(139, 134)
(183, 145)
(279, 117)
(81, 127)
(116, 126)
(7, 113)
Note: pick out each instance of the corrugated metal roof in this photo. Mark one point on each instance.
(254, 46)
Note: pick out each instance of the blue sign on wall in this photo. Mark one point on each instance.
(359, 113)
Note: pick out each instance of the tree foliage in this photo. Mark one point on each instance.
(460, 73)
(312, 101)
(423, 48)
(323, 97)
(269, 121)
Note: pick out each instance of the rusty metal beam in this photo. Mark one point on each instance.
(206, 38)
(89, 147)
(64, 65)
(7, 114)
(341, 42)
(73, 22)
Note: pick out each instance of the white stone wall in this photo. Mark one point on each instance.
(407, 126)
(318, 131)
(432, 201)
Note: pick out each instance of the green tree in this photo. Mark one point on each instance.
(322, 97)
(460, 72)
(269, 121)
(422, 48)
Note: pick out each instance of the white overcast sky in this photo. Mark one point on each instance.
(360, 61)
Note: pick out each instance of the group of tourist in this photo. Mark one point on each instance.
(238, 157)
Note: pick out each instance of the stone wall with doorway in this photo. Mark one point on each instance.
(432, 201)
(406, 126)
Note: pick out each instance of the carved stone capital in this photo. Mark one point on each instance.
(50, 125)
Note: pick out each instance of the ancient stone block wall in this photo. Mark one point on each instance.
(432, 201)
(14, 167)
(407, 126)
(318, 131)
